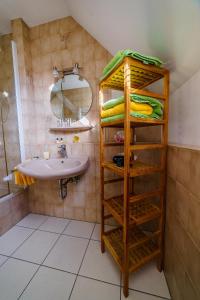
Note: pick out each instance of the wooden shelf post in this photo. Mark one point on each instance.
(102, 172)
(127, 87)
(163, 175)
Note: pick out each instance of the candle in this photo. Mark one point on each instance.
(46, 155)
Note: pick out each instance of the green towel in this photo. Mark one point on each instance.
(133, 114)
(120, 55)
(112, 103)
(155, 104)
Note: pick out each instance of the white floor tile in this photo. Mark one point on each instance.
(32, 221)
(14, 276)
(133, 295)
(2, 259)
(67, 254)
(49, 284)
(13, 239)
(97, 231)
(99, 266)
(54, 224)
(36, 247)
(150, 280)
(88, 289)
(79, 229)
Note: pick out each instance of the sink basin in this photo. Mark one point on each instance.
(55, 168)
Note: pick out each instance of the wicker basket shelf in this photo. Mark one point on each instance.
(138, 168)
(142, 247)
(141, 75)
(139, 212)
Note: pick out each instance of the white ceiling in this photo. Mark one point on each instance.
(34, 12)
(168, 29)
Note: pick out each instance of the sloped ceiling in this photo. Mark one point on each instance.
(167, 29)
(33, 12)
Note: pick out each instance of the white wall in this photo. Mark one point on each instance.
(184, 113)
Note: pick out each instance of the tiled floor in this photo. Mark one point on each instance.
(51, 258)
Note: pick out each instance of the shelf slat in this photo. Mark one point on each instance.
(107, 181)
(135, 122)
(142, 247)
(111, 144)
(135, 147)
(137, 169)
(146, 146)
(145, 195)
(139, 211)
(147, 93)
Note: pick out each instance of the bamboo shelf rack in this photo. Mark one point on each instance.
(130, 246)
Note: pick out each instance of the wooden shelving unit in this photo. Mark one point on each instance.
(131, 246)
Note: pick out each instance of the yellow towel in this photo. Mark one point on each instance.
(23, 180)
(142, 108)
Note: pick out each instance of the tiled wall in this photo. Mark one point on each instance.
(182, 244)
(59, 43)
(12, 209)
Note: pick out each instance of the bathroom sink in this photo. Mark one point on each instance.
(55, 168)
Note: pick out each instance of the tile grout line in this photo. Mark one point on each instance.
(28, 282)
(149, 294)
(38, 265)
(7, 258)
(65, 234)
(34, 230)
(68, 272)
(120, 285)
(41, 264)
(61, 234)
(81, 263)
(69, 219)
(106, 282)
(64, 271)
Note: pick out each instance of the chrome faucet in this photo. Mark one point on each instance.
(63, 151)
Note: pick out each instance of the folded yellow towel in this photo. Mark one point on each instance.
(142, 108)
(23, 180)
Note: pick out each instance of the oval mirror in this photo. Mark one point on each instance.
(71, 97)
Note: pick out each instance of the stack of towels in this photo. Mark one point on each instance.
(120, 55)
(140, 107)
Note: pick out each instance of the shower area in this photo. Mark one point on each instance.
(9, 129)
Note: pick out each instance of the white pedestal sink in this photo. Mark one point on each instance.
(55, 168)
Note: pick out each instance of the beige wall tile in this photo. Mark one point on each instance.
(182, 204)
(13, 210)
(194, 219)
(182, 244)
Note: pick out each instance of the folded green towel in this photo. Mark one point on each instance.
(154, 103)
(120, 55)
(133, 114)
(112, 103)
